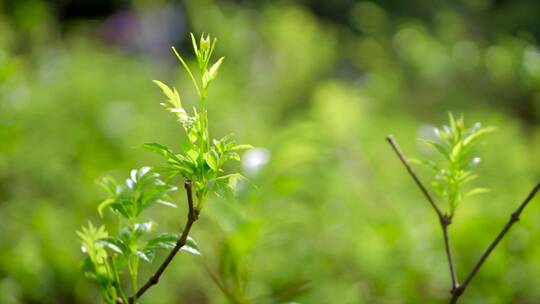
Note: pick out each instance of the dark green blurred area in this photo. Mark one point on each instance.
(316, 86)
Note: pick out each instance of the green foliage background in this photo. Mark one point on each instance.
(332, 217)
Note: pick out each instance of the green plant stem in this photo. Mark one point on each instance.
(123, 299)
(204, 121)
(191, 218)
(514, 217)
(133, 267)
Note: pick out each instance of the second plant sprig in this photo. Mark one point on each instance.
(454, 143)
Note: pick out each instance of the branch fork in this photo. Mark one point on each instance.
(192, 217)
(446, 219)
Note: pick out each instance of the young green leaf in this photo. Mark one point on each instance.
(209, 75)
(476, 191)
(191, 246)
(166, 240)
(108, 184)
(143, 189)
(104, 204)
(455, 144)
(241, 147)
(161, 150)
(211, 160)
(143, 256)
(172, 94)
(115, 244)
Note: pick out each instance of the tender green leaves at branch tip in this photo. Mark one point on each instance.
(203, 53)
(103, 252)
(88, 237)
(174, 105)
(142, 189)
(454, 143)
(96, 263)
(202, 160)
(210, 74)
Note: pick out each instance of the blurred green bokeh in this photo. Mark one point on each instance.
(329, 214)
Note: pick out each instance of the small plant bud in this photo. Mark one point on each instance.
(204, 44)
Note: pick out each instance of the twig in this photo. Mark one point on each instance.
(444, 220)
(514, 217)
(396, 148)
(451, 265)
(192, 217)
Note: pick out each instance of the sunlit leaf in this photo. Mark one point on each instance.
(160, 149)
(172, 95)
(428, 163)
(108, 184)
(104, 204)
(143, 256)
(166, 240)
(143, 227)
(115, 244)
(211, 161)
(477, 191)
(193, 155)
(191, 246)
(241, 147)
(437, 147)
(209, 75)
(166, 203)
(455, 143)
(476, 135)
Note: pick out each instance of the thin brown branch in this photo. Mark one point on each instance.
(451, 265)
(514, 217)
(192, 217)
(444, 220)
(396, 148)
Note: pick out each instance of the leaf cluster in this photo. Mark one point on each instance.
(96, 264)
(202, 160)
(142, 189)
(136, 240)
(455, 144)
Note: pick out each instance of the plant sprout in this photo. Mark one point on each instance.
(203, 159)
(455, 143)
